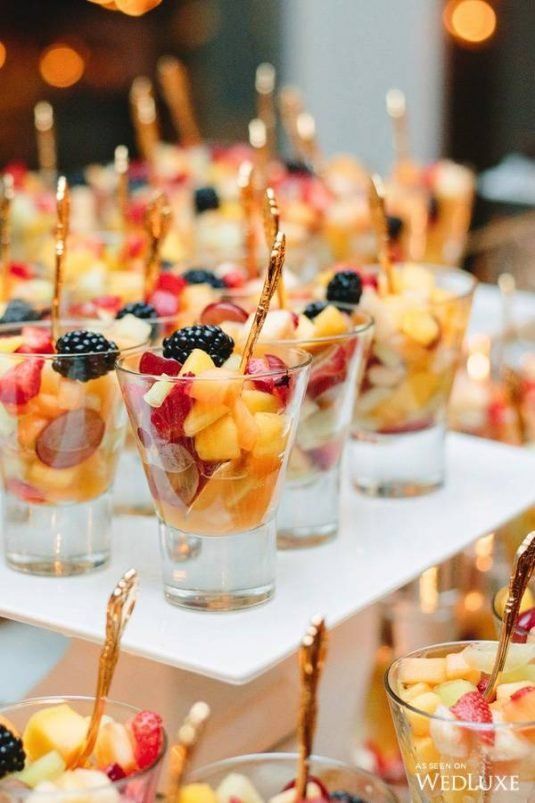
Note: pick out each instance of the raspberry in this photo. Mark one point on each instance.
(155, 365)
(147, 730)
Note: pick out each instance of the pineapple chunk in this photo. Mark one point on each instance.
(271, 437)
(420, 326)
(216, 386)
(414, 691)
(158, 392)
(202, 416)
(219, 441)
(423, 670)
(197, 793)
(57, 728)
(428, 703)
(260, 402)
(197, 362)
(330, 322)
(458, 669)
(247, 427)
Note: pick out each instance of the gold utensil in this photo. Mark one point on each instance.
(312, 654)
(63, 204)
(271, 281)
(271, 216)
(8, 194)
(265, 103)
(182, 750)
(119, 610)
(122, 163)
(248, 203)
(144, 117)
(258, 141)
(396, 107)
(521, 573)
(377, 207)
(43, 116)
(176, 90)
(158, 219)
(290, 107)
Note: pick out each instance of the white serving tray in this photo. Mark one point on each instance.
(382, 545)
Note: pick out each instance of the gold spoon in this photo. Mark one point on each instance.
(265, 103)
(181, 752)
(176, 90)
(523, 566)
(43, 118)
(158, 219)
(63, 202)
(396, 107)
(271, 216)
(119, 609)
(312, 654)
(247, 199)
(377, 207)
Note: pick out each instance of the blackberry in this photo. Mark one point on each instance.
(12, 755)
(211, 339)
(139, 309)
(205, 198)
(347, 797)
(394, 226)
(95, 355)
(19, 311)
(202, 276)
(345, 287)
(314, 308)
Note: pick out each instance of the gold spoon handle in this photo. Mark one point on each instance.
(63, 202)
(177, 93)
(122, 163)
(520, 576)
(271, 217)
(158, 219)
(396, 107)
(377, 207)
(248, 204)
(270, 285)
(182, 751)
(311, 660)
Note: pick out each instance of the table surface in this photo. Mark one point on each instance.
(382, 545)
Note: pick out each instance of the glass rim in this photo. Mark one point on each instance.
(28, 702)
(273, 372)
(436, 268)
(473, 726)
(355, 332)
(249, 758)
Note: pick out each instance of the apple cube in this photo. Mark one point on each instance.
(114, 746)
(260, 402)
(219, 441)
(202, 416)
(305, 328)
(197, 362)
(331, 322)
(423, 670)
(58, 728)
(158, 392)
(271, 437)
(237, 787)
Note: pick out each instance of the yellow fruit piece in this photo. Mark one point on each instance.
(59, 479)
(10, 344)
(201, 416)
(197, 793)
(271, 439)
(421, 326)
(331, 322)
(504, 691)
(428, 703)
(114, 746)
(423, 670)
(50, 380)
(29, 429)
(501, 598)
(425, 750)
(248, 430)
(219, 441)
(458, 669)
(197, 362)
(46, 404)
(414, 691)
(260, 402)
(56, 728)
(422, 386)
(71, 394)
(216, 386)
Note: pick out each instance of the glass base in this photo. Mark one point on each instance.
(401, 465)
(131, 495)
(57, 540)
(218, 573)
(309, 510)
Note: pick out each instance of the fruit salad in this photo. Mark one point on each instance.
(456, 744)
(212, 440)
(270, 777)
(41, 739)
(525, 624)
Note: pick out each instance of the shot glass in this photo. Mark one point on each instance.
(214, 449)
(399, 421)
(451, 753)
(45, 778)
(272, 773)
(309, 509)
(62, 427)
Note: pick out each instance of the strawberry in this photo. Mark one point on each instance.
(171, 283)
(146, 728)
(156, 366)
(36, 341)
(22, 382)
(234, 279)
(22, 270)
(472, 707)
(164, 302)
(168, 419)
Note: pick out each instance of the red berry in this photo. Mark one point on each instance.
(171, 283)
(110, 303)
(21, 383)
(473, 707)
(168, 419)
(24, 491)
(164, 302)
(36, 341)
(234, 279)
(147, 730)
(156, 366)
(22, 270)
(115, 772)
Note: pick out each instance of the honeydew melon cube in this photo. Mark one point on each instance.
(452, 690)
(47, 768)
(458, 669)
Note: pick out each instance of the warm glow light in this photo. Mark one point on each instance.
(3, 54)
(61, 65)
(474, 601)
(429, 590)
(470, 21)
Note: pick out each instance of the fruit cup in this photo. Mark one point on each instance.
(400, 415)
(456, 745)
(125, 763)
(214, 445)
(270, 777)
(62, 425)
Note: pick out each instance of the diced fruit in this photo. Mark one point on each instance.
(156, 365)
(411, 692)
(305, 329)
(158, 392)
(271, 437)
(22, 382)
(25, 491)
(279, 325)
(506, 690)
(221, 311)
(115, 772)
(523, 673)
(527, 602)
(70, 438)
(197, 362)
(521, 705)
(526, 620)
(147, 731)
(202, 416)
(458, 669)
(129, 331)
(452, 690)
(8, 345)
(29, 428)
(216, 386)
(58, 728)
(327, 372)
(482, 656)
(76, 781)
(219, 441)
(331, 322)
(237, 787)
(197, 793)
(47, 768)
(421, 326)
(70, 395)
(427, 702)
(258, 401)
(247, 426)
(423, 670)
(36, 340)
(168, 420)
(114, 746)
(450, 740)
(472, 707)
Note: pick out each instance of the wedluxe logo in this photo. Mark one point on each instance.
(444, 778)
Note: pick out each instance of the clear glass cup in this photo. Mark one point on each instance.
(399, 421)
(60, 440)
(309, 510)
(521, 634)
(140, 786)
(214, 454)
(270, 774)
(448, 759)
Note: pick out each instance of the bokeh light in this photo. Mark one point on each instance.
(61, 65)
(3, 54)
(470, 21)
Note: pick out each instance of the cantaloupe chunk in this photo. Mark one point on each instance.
(248, 429)
(216, 386)
(59, 728)
(260, 402)
(197, 793)
(219, 441)
(423, 670)
(201, 416)
(428, 703)
(458, 669)
(414, 691)
(271, 437)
